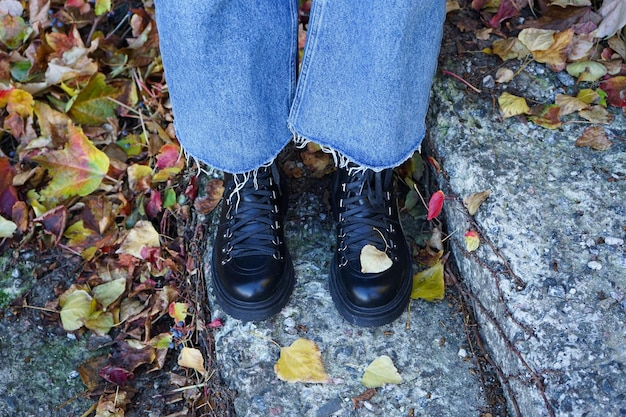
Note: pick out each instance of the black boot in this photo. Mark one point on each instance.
(366, 212)
(253, 275)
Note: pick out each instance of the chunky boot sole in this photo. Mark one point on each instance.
(372, 316)
(257, 310)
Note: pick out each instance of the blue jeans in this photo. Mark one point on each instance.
(362, 91)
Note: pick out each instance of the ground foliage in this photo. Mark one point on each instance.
(90, 165)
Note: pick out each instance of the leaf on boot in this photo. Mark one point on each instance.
(373, 260)
(380, 372)
(301, 362)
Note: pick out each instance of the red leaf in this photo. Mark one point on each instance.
(54, 221)
(169, 156)
(507, 9)
(615, 89)
(154, 204)
(8, 193)
(115, 375)
(435, 204)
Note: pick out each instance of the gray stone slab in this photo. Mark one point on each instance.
(437, 380)
(549, 279)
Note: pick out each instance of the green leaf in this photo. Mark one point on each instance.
(75, 310)
(7, 228)
(20, 69)
(92, 106)
(100, 322)
(102, 7)
(170, 198)
(107, 293)
(587, 70)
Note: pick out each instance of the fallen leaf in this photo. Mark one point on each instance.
(54, 222)
(588, 96)
(429, 284)
(107, 293)
(8, 193)
(473, 202)
(100, 322)
(586, 71)
(17, 101)
(536, 39)
(13, 30)
(511, 105)
(381, 371)
(556, 55)
(435, 204)
(510, 48)
(301, 362)
(367, 395)
(116, 375)
(548, 116)
(113, 404)
(78, 169)
(7, 228)
(373, 260)
(614, 14)
(214, 191)
(597, 114)
(141, 235)
(594, 137)
(178, 311)
(472, 240)
(191, 358)
(170, 156)
(93, 104)
(504, 75)
(75, 309)
(614, 88)
(569, 104)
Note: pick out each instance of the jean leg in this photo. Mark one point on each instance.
(230, 68)
(366, 76)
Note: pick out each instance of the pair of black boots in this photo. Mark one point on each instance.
(253, 274)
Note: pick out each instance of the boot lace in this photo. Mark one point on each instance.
(365, 214)
(252, 217)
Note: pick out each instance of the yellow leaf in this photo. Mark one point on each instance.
(77, 169)
(107, 293)
(587, 95)
(380, 372)
(512, 105)
(429, 284)
(7, 228)
(191, 358)
(20, 102)
(510, 48)
(373, 260)
(556, 54)
(301, 362)
(473, 202)
(536, 39)
(178, 311)
(100, 322)
(141, 235)
(472, 240)
(76, 308)
(139, 177)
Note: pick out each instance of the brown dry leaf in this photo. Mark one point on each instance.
(511, 105)
(569, 104)
(214, 192)
(143, 234)
(473, 202)
(301, 362)
(510, 48)
(556, 55)
(597, 114)
(366, 395)
(374, 260)
(594, 137)
(113, 404)
(618, 45)
(381, 371)
(319, 163)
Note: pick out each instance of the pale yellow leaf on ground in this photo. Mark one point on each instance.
(597, 114)
(536, 39)
(511, 105)
(301, 362)
(569, 104)
(191, 358)
(504, 75)
(107, 293)
(100, 322)
(429, 284)
(76, 308)
(472, 240)
(7, 228)
(586, 70)
(140, 236)
(510, 48)
(374, 260)
(473, 202)
(380, 372)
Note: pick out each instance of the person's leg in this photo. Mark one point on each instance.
(230, 68)
(363, 94)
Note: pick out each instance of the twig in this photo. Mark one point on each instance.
(461, 79)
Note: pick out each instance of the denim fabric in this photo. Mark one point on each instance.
(363, 88)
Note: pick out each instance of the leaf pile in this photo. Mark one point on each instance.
(583, 38)
(90, 167)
